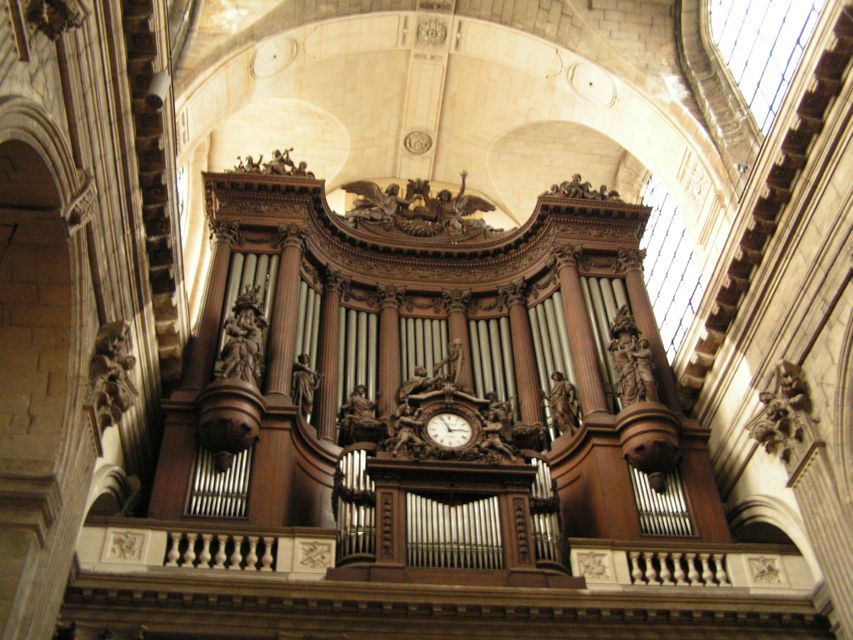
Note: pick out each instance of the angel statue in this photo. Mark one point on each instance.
(375, 205)
(452, 211)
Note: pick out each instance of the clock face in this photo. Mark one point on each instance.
(450, 430)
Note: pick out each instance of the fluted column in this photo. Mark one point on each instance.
(281, 350)
(326, 404)
(581, 337)
(527, 379)
(641, 307)
(223, 235)
(456, 302)
(389, 347)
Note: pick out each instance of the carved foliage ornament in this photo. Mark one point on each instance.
(785, 426)
(112, 391)
(55, 17)
(432, 32)
(514, 293)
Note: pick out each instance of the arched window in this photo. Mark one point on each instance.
(762, 41)
(672, 277)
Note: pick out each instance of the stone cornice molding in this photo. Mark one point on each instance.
(30, 502)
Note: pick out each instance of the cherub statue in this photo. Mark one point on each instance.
(281, 164)
(407, 421)
(374, 204)
(249, 165)
(492, 440)
(453, 211)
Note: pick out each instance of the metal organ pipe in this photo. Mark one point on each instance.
(563, 332)
(509, 367)
(372, 344)
(497, 359)
(215, 494)
(422, 343)
(475, 357)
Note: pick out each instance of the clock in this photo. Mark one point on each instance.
(450, 430)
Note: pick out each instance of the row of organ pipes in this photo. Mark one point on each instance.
(423, 342)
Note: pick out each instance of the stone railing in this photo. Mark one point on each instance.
(132, 545)
(618, 565)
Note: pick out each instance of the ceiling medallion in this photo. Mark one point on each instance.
(417, 142)
(432, 32)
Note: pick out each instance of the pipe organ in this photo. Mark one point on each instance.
(446, 397)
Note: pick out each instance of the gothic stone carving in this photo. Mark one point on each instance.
(242, 355)
(112, 392)
(55, 17)
(785, 426)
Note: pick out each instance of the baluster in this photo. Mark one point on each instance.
(651, 572)
(707, 574)
(220, 557)
(636, 572)
(665, 574)
(722, 576)
(692, 573)
(252, 556)
(174, 554)
(204, 556)
(237, 554)
(680, 576)
(266, 559)
(189, 554)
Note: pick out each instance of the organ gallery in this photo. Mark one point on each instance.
(455, 402)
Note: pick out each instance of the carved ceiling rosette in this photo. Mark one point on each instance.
(785, 427)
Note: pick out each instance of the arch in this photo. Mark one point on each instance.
(773, 511)
(112, 492)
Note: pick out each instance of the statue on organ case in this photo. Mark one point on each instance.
(242, 355)
(562, 401)
(449, 369)
(408, 422)
(305, 383)
(632, 359)
(357, 418)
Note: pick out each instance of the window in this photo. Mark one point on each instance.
(672, 278)
(762, 41)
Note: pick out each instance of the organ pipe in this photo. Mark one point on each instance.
(220, 494)
(423, 342)
(492, 358)
(662, 514)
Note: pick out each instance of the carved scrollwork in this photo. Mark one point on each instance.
(785, 427)
(112, 391)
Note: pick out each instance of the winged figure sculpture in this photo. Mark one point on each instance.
(374, 204)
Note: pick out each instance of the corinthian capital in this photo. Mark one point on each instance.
(291, 235)
(566, 256)
(391, 295)
(456, 299)
(55, 17)
(630, 259)
(225, 231)
(514, 293)
(335, 280)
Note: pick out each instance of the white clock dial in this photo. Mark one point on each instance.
(449, 430)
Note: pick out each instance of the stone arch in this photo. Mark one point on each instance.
(770, 510)
(112, 491)
(46, 452)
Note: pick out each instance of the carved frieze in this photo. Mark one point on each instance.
(417, 142)
(785, 427)
(112, 392)
(594, 566)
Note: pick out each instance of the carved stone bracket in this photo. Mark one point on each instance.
(391, 295)
(785, 427)
(225, 231)
(112, 393)
(291, 235)
(456, 299)
(55, 17)
(514, 293)
(631, 260)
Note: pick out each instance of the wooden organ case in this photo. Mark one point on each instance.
(456, 402)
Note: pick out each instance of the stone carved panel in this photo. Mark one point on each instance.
(432, 32)
(417, 142)
(125, 546)
(594, 566)
(764, 570)
(314, 554)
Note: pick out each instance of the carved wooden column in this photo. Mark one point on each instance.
(632, 263)
(326, 404)
(527, 380)
(389, 347)
(223, 235)
(281, 350)
(581, 337)
(456, 302)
